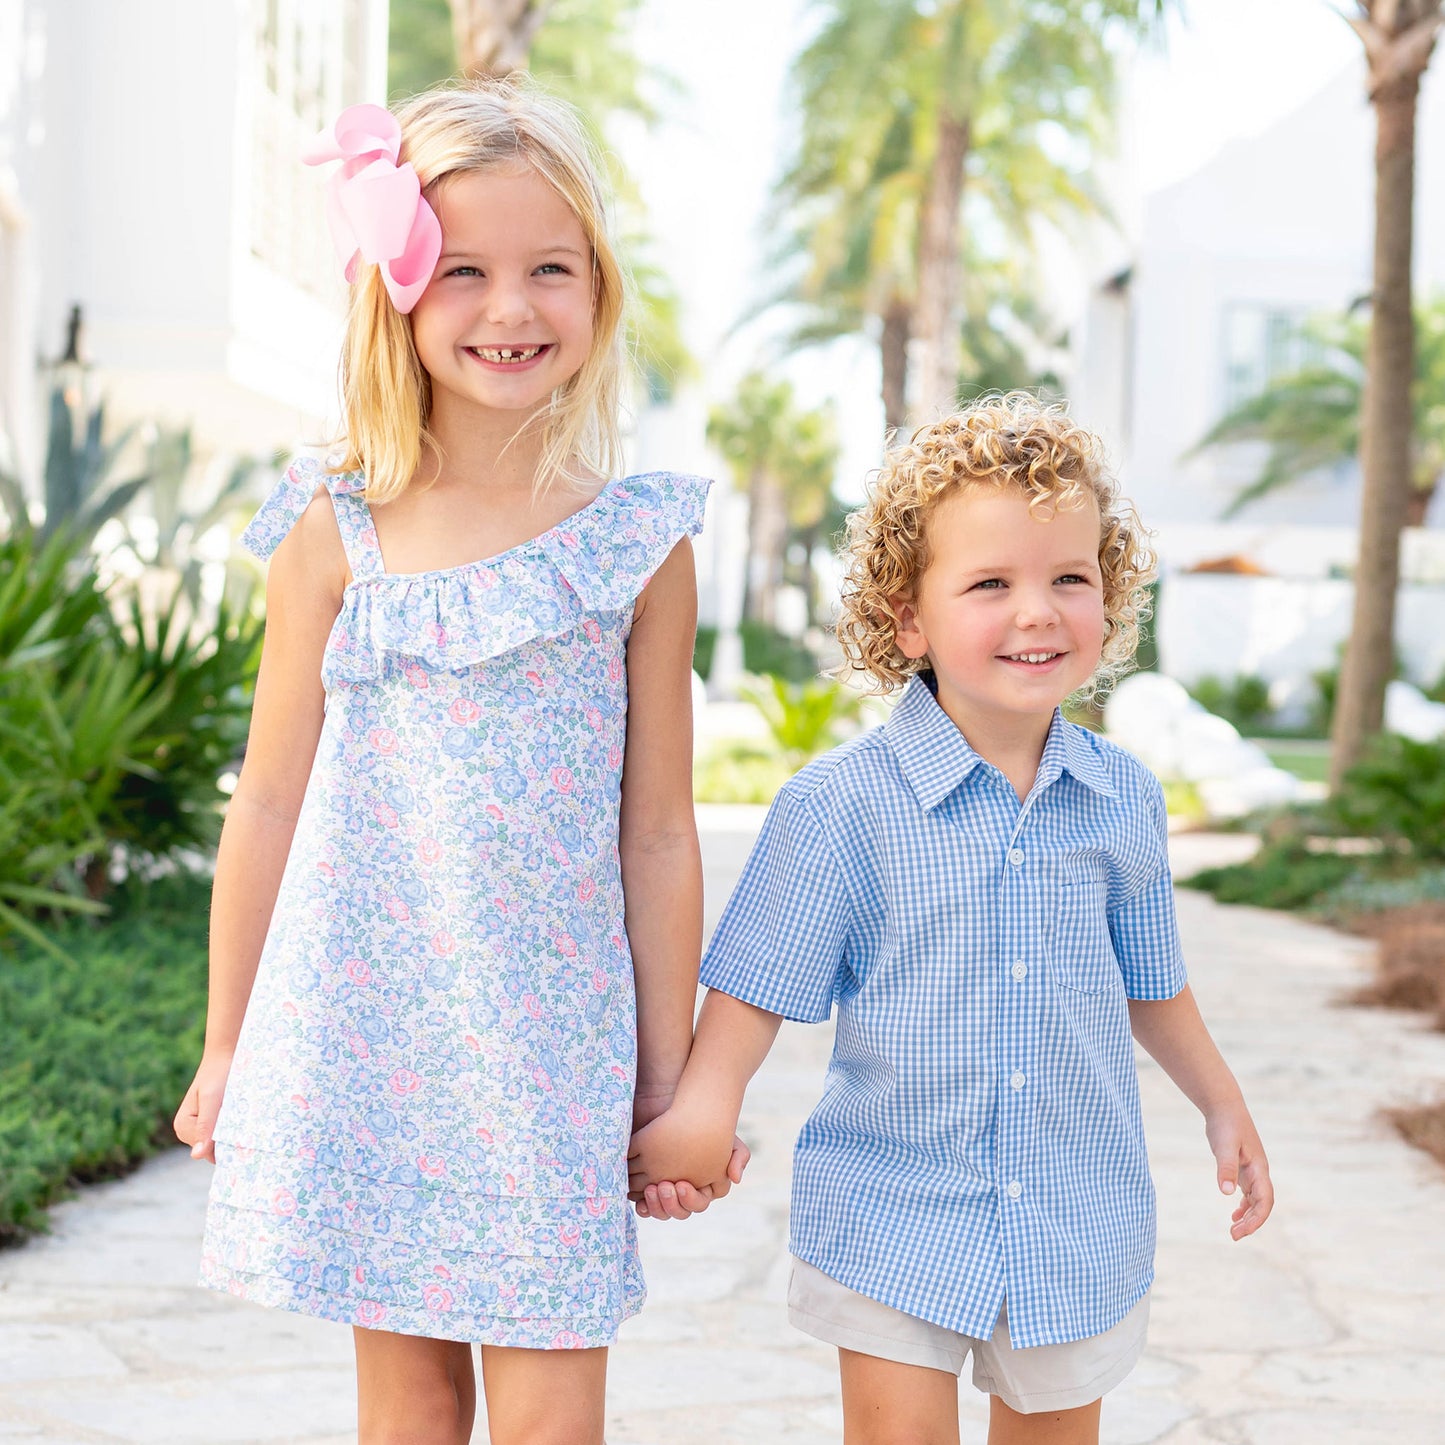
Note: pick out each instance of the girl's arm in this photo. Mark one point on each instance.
(303, 596)
(661, 864)
(1172, 1032)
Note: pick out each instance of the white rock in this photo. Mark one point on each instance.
(1409, 712)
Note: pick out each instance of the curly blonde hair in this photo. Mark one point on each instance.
(1005, 441)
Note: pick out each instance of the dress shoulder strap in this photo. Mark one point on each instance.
(292, 494)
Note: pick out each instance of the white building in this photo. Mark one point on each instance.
(1200, 312)
(149, 173)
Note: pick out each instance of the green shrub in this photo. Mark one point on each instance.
(1242, 700)
(1285, 873)
(739, 773)
(1397, 794)
(703, 650)
(97, 1047)
(766, 650)
(113, 731)
(803, 718)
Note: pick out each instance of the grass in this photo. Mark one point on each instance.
(1309, 761)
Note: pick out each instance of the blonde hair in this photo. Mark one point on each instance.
(1007, 441)
(385, 391)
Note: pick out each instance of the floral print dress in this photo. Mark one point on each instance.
(426, 1121)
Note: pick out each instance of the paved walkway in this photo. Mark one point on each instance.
(1329, 1329)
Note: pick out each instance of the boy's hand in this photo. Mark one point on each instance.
(1239, 1157)
(677, 1199)
(694, 1145)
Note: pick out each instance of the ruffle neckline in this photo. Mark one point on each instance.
(592, 563)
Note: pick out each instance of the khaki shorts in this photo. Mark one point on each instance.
(1048, 1377)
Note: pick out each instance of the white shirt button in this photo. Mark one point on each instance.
(1020, 969)
(1015, 1189)
(1018, 1080)
(1016, 856)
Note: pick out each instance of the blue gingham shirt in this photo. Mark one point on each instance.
(979, 1136)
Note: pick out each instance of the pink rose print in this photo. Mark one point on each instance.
(532, 1004)
(283, 1201)
(568, 1340)
(434, 1167)
(326, 870)
(566, 945)
(386, 815)
(596, 1207)
(579, 1115)
(560, 853)
(594, 719)
(300, 1101)
(441, 1271)
(436, 632)
(562, 779)
(586, 890)
(398, 910)
(384, 740)
(436, 1297)
(535, 678)
(570, 1235)
(443, 943)
(403, 1081)
(614, 669)
(359, 1275)
(359, 1046)
(464, 711)
(593, 631)
(358, 970)
(542, 1078)
(599, 980)
(430, 850)
(614, 756)
(370, 1314)
(417, 675)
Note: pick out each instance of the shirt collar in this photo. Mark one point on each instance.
(936, 757)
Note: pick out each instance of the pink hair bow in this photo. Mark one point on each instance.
(375, 207)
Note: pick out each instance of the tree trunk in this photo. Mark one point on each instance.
(750, 564)
(1419, 507)
(936, 311)
(769, 546)
(897, 324)
(494, 37)
(1386, 420)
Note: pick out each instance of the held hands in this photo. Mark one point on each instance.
(195, 1121)
(1239, 1157)
(677, 1146)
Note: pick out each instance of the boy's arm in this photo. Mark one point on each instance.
(1172, 1032)
(693, 1141)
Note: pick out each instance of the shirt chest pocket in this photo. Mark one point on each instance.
(1083, 950)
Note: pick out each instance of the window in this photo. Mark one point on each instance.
(1260, 344)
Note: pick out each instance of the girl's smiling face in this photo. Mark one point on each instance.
(1010, 609)
(507, 317)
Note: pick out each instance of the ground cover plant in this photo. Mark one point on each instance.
(1371, 861)
(98, 1040)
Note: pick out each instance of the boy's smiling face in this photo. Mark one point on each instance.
(1010, 609)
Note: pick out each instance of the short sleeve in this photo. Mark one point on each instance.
(781, 941)
(1143, 925)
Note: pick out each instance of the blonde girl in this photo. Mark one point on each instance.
(457, 903)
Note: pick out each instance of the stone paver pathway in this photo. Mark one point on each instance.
(1328, 1329)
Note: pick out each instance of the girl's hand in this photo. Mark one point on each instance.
(1239, 1159)
(195, 1122)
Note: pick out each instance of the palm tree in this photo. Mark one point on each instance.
(1399, 37)
(1310, 418)
(924, 120)
(784, 457)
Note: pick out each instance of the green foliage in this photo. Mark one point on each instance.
(1396, 793)
(1285, 873)
(803, 718)
(739, 774)
(1374, 895)
(97, 1045)
(112, 732)
(766, 650)
(1242, 700)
